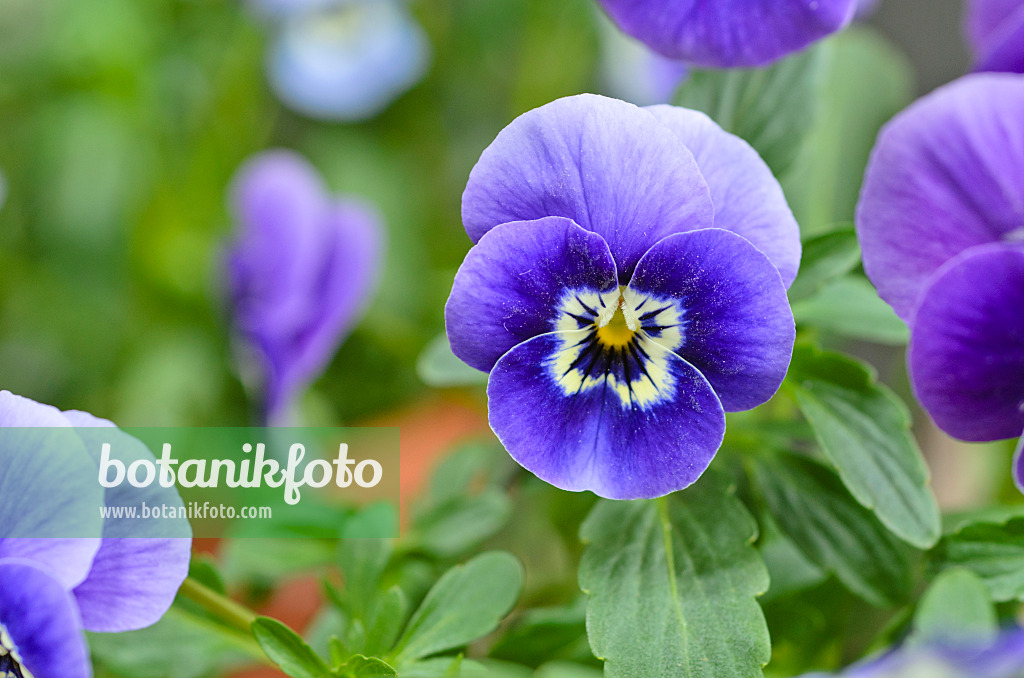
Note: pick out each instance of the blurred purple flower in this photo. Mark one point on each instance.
(301, 268)
(941, 223)
(344, 60)
(632, 72)
(618, 313)
(729, 33)
(995, 31)
(118, 575)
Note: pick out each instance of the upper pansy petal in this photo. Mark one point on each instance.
(946, 174)
(527, 278)
(748, 198)
(1006, 51)
(607, 165)
(39, 616)
(966, 353)
(729, 33)
(731, 316)
(626, 424)
(986, 18)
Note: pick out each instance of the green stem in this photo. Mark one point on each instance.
(223, 608)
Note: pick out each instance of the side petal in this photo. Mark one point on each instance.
(140, 563)
(966, 353)
(622, 434)
(985, 18)
(40, 617)
(748, 198)
(513, 285)
(1006, 51)
(607, 165)
(945, 175)
(729, 33)
(737, 325)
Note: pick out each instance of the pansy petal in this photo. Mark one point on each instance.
(966, 353)
(729, 33)
(946, 174)
(985, 19)
(607, 165)
(512, 284)
(736, 323)
(748, 198)
(639, 431)
(1006, 51)
(141, 563)
(39, 616)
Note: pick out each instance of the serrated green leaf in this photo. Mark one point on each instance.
(771, 108)
(992, 550)
(864, 430)
(956, 607)
(467, 603)
(672, 585)
(360, 666)
(850, 306)
(437, 366)
(288, 650)
(825, 258)
(811, 507)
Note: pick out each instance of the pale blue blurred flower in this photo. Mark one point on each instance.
(343, 60)
(633, 72)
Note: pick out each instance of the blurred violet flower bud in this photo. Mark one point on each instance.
(632, 72)
(995, 31)
(63, 567)
(345, 60)
(729, 33)
(300, 271)
(941, 224)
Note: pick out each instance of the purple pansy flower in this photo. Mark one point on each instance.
(941, 223)
(995, 30)
(300, 270)
(626, 289)
(63, 568)
(729, 33)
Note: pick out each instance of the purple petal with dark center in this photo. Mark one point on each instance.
(729, 33)
(946, 174)
(748, 198)
(511, 286)
(626, 424)
(966, 353)
(737, 325)
(39, 615)
(607, 165)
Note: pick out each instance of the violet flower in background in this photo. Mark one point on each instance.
(619, 313)
(118, 575)
(300, 270)
(729, 33)
(941, 224)
(633, 72)
(343, 60)
(995, 31)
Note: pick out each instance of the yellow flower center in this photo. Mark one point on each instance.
(615, 332)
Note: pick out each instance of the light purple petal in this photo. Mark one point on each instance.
(747, 197)
(1006, 51)
(966, 353)
(985, 19)
(621, 426)
(946, 174)
(40, 617)
(736, 323)
(729, 33)
(141, 563)
(511, 286)
(607, 165)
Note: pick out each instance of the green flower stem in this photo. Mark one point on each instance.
(223, 608)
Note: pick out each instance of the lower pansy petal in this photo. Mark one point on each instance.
(39, 620)
(719, 303)
(966, 353)
(625, 422)
(524, 279)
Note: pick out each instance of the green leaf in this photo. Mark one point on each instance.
(544, 634)
(672, 585)
(851, 307)
(359, 666)
(461, 523)
(386, 622)
(956, 607)
(771, 108)
(437, 366)
(825, 258)
(864, 430)
(992, 550)
(362, 561)
(566, 670)
(467, 603)
(286, 649)
(812, 508)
